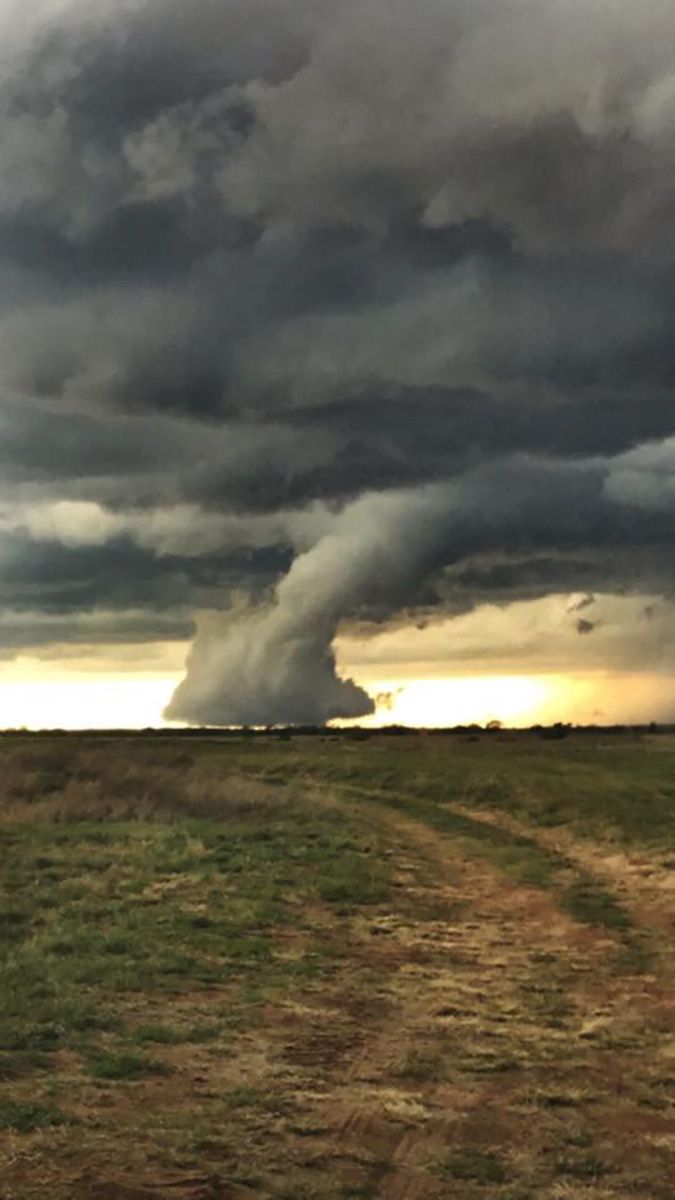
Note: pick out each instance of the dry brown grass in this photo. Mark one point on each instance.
(71, 782)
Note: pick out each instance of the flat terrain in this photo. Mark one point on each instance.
(315, 968)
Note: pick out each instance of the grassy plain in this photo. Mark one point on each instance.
(315, 968)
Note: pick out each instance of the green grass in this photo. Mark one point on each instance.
(159, 1035)
(23, 1063)
(580, 1166)
(122, 1066)
(252, 1097)
(22, 1117)
(169, 1035)
(620, 790)
(424, 1066)
(209, 1031)
(473, 1166)
(353, 879)
(596, 784)
(591, 904)
(101, 912)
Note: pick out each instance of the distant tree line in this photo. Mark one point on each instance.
(555, 732)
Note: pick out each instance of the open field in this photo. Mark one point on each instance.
(316, 968)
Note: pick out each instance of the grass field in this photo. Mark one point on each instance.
(314, 968)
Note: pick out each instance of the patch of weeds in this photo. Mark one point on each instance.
(12, 926)
(251, 1097)
(578, 1138)
(634, 958)
(580, 1166)
(22, 1063)
(359, 1191)
(655, 1101)
(301, 1191)
(31, 1037)
(589, 903)
(87, 1022)
(307, 1129)
(123, 1066)
(423, 1066)
(559, 1098)
(667, 1082)
(248, 1179)
(574, 1157)
(162, 1035)
(549, 1003)
(473, 1166)
(118, 946)
(528, 865)
(352, 879)
(489, 1064)
(24, 1118)
(201, 1034)
(492, 792)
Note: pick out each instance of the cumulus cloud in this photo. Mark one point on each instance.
(363, 315)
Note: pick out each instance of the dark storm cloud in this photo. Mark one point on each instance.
(391, 293)
(60, 579)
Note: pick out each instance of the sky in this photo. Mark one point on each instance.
(337, 352)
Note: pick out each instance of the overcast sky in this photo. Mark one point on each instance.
(325, 316)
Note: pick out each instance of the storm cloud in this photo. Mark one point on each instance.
(325, 315)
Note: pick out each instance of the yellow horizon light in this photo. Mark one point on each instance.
(474, 700)
(35, 696)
